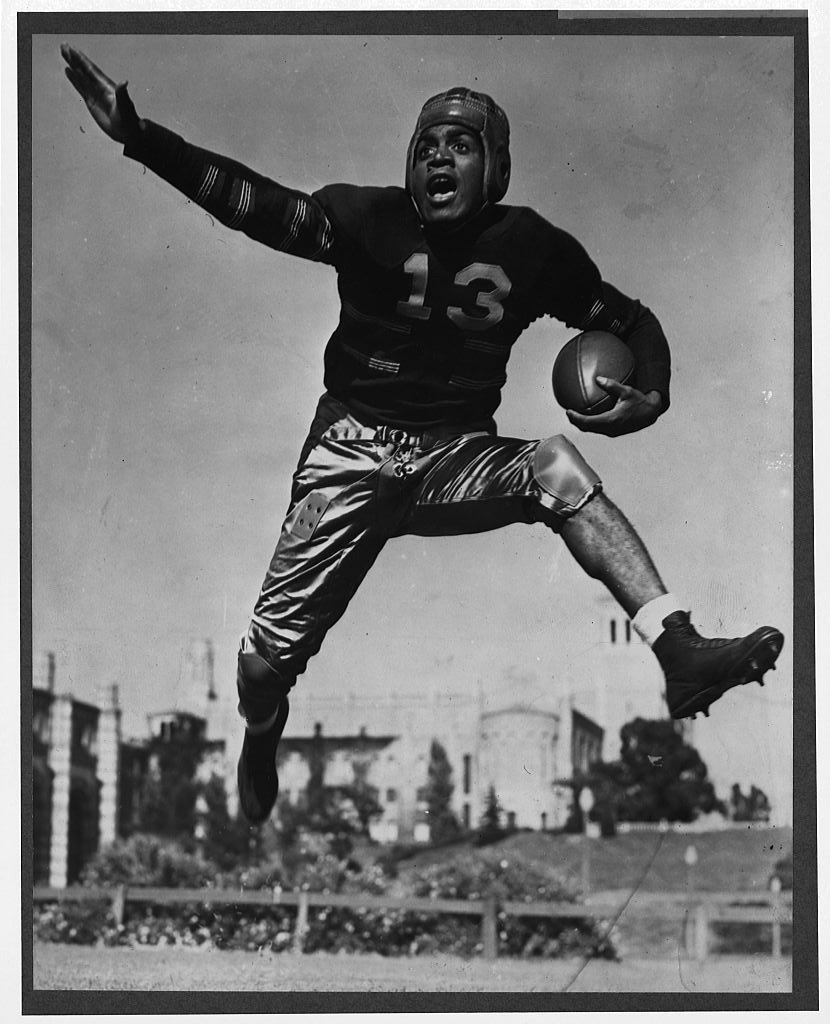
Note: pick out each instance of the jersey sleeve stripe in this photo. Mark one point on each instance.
(244, 204)
(296, 221)
(599, 312)
(208, 181)
(326, 239)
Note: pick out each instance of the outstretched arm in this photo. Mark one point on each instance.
(109, 104)
(238, 197)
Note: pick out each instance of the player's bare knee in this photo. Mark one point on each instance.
(565, 481)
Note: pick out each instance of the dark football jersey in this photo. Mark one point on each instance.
(427, 321)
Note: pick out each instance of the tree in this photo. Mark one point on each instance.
(333, 814)
(443, 823)
(753, 807)
(660, 776)
(226, 841)
(490, 830)
(168, 802)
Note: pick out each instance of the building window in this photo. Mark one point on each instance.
(467, 772)
(627, 631)
(465, 813)
(613, 631)
(89, 739)
(391, 795)
(40, 726)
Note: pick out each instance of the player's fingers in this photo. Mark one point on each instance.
(79, 82)
(614, 387)
(80, 63)
(578, 420)
(602, 423)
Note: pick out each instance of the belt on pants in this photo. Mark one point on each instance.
(403, 438)
(397, 435)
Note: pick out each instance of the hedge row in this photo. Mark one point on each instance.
(331, 929)
(389, 932)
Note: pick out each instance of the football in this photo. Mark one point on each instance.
(580, 361)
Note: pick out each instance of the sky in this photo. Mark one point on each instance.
(175, 364)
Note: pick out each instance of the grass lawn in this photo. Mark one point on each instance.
(168, 969)
(730, 860)
(739, 860)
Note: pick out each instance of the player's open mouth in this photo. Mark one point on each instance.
(441, 188)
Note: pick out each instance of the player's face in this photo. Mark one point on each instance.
(448, 176)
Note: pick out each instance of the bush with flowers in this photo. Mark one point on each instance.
(387, 931)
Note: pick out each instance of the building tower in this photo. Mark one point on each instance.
(109, 744)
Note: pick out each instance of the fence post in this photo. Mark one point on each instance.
(701, 932)
(489, 926)
(688, 931)
(119, 898)
(775, 907)
(301, 925)
(776, 925)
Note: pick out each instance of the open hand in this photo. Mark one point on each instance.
(632, 411)
(109, 104)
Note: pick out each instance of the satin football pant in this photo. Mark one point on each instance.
(355, 487)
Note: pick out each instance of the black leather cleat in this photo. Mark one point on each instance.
(256, 772)
(700, 670)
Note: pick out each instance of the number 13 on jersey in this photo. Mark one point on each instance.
(486, 309)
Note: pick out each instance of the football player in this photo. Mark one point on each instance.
(437, 280)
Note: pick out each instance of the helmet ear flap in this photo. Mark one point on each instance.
(498, 174)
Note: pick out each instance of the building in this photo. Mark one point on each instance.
(522, 743)
(87, 780)
(619, 678)
(75, 752)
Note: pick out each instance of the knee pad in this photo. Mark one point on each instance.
(261, 688)
(564, 479)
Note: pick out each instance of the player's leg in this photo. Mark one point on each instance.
(327, 544)
(485, 482)
(608, 548)
(698, 670)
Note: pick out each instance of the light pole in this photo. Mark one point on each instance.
(690, 857)
(693, 925)
(586, 802)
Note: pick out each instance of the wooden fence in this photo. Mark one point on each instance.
(694, 912)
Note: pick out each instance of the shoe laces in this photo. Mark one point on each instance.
(680, 628)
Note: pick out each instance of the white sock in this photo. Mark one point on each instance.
(648, 621)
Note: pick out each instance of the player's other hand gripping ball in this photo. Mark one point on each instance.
(581, 360)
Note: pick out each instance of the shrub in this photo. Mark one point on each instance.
(81, 924)
(489, 874)
(148, 860)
